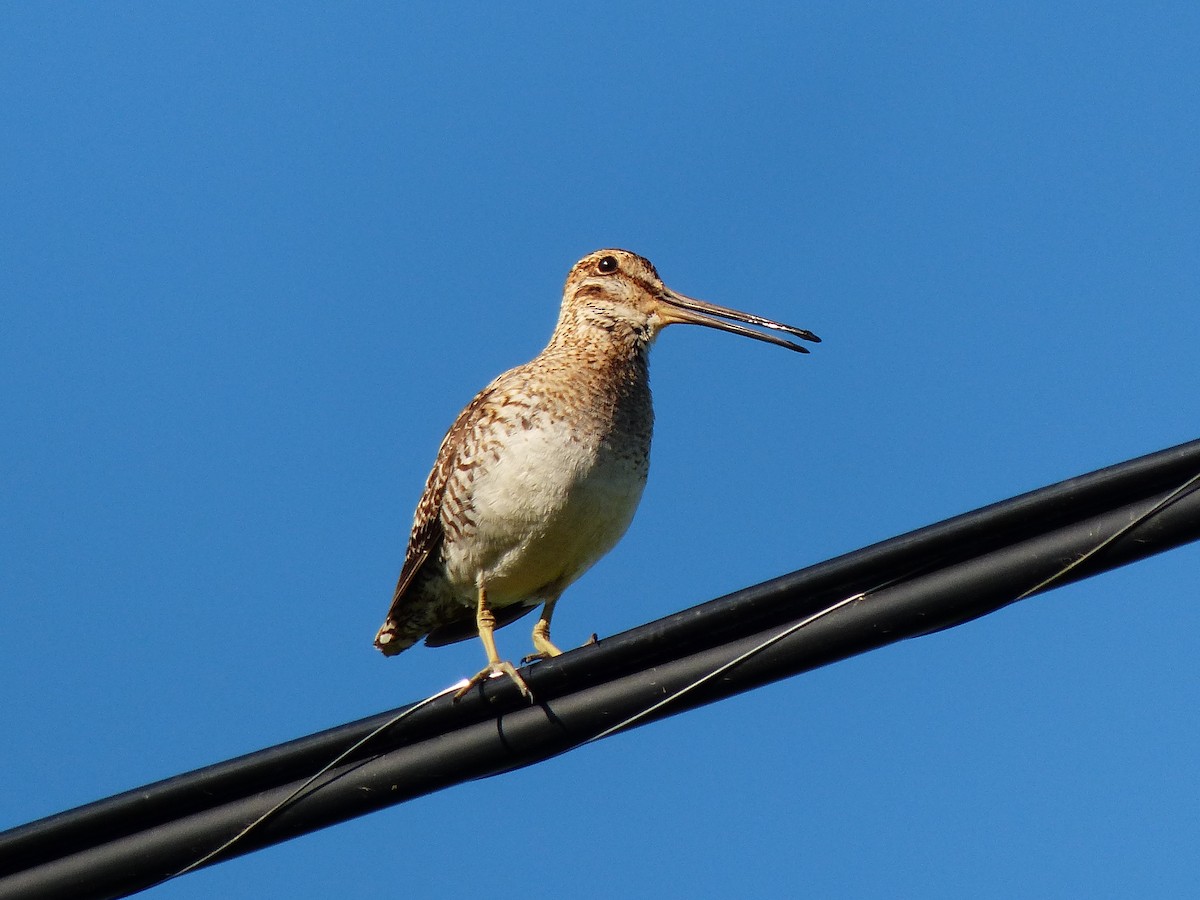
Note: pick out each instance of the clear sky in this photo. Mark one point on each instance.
(254, 258)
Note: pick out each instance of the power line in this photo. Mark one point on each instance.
(924, 581)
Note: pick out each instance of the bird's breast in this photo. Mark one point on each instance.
(547, 498)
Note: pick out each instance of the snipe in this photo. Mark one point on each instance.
(540, 475)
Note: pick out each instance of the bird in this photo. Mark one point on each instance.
(541, 473)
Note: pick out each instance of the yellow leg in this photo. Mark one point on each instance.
(485, 619)
(541, 633)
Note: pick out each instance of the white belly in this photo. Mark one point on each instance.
(545, 509)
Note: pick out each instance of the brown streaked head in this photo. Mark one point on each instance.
(614, 286)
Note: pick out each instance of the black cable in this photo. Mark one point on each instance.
(919, 582)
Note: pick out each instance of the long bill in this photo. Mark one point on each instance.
(676, 308)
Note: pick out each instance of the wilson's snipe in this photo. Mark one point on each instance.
(540, 475)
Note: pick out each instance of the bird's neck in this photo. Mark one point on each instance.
(590, 331)
(609, 345)
(610, 362)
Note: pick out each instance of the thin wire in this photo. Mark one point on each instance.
(1137, 520)
(307, 784)
(725, 667)
(796, 626)
(753, 651)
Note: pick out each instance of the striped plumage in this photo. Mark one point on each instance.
(541, 474)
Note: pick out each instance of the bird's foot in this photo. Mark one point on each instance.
(545, 650)
(500, 667)
(549, 651)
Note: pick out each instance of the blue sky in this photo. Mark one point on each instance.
(254, 261)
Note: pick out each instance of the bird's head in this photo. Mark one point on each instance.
(620, 292)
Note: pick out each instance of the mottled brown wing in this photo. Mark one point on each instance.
(427, 532)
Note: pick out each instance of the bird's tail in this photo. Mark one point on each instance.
(391, 638)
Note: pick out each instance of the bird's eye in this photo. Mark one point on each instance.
(607, 265)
